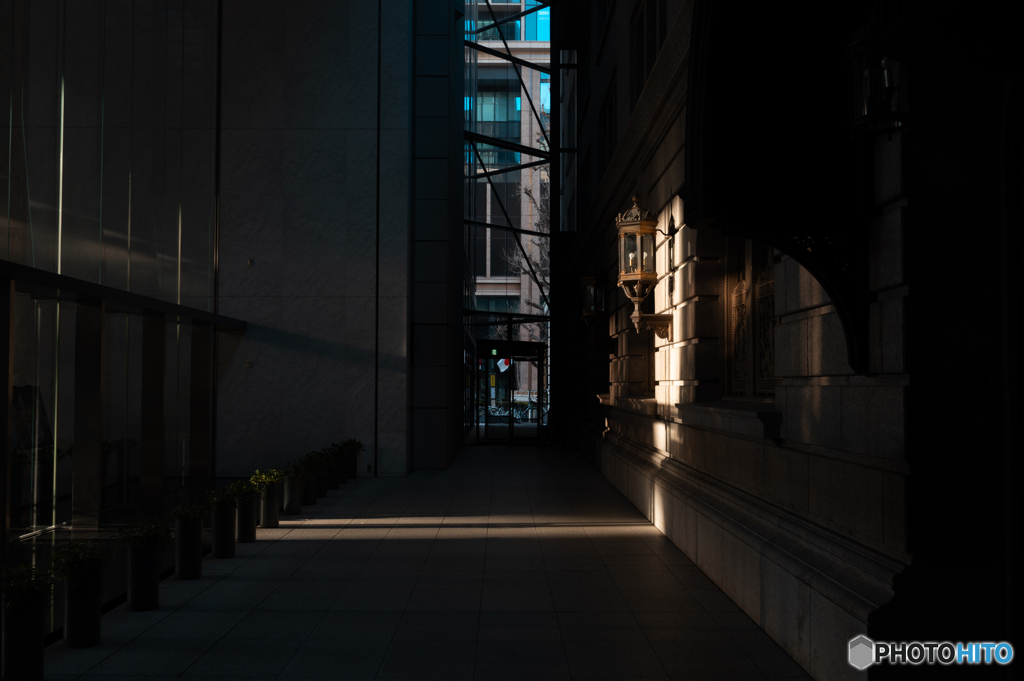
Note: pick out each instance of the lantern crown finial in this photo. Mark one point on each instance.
(635, 213)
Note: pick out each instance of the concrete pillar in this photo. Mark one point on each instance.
(87, 472)
(200, 415)
(151, 464)
(6, 402)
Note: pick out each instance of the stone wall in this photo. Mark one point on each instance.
(306, 154)
(794, 505)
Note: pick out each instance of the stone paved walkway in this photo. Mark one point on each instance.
(516, 563)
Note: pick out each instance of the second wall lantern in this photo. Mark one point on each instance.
(638, 273)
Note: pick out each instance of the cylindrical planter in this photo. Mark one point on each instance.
(320, 481)
(24, 628)
(339, 466)
(331, 473)
(352, 463)
(292, 495)
(83, 599)
(188, 548)
(308, 490)
(270, 508)
(279, 492)
(144, 575)
(246, 519)
(223, 531)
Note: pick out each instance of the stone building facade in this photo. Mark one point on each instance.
(787, 434)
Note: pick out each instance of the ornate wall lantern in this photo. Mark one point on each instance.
(873, 85)
(593, 297)
(638, 273)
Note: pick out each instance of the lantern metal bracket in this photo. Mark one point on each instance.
(661, 324)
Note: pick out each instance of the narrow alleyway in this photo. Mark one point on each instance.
(517, 562)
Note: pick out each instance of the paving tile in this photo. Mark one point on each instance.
(376, 595)
(446, 591)
(429, 659)
(185, 624)
(714, 600)
(327, 660)
(521, 660)
(269, 625)
(706, 659)
(515, 563)
(519, 626)
(660, 600)
(600, 626)
(438, 626)
(685, 625)
(516, 591)
(356, 626)
(145, 656)
(613, 659)
(771, 659)
(244, 657)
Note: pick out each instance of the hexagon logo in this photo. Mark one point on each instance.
(862, 652)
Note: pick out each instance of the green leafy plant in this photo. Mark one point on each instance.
(243, 489)
(262, 479)
(145, 529)
(291, 469)
(68, 561)
(26, 581)
(222, 498)
(195, 510)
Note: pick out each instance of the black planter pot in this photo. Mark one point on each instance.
(83, 599)
(308, 490)
(351, 467)
(144, 576)
(339, 465)
(331, 473)
(24, 628)
(188, 548)
(270, 508)
(292, 495)
(223, 531)
(279, 494)
(321, 482)
(247, 519)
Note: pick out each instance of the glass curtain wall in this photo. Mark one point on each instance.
(108, 177)
(109, 148)
(508, 226)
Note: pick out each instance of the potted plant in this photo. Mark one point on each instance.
(320, 464)
(308, 480)
(80, 566)
(246, 496)
(338, 459)
(292, 473)
(27, 593)
(188, 535)
(266, 483)
(330, 468)
(145, 538)
(352, 449)
(222, 525)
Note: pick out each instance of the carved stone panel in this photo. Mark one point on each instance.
(750, 282)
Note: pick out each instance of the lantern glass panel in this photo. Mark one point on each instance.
(598, 299)
(647, 248)
(629, 257)
(589, 303)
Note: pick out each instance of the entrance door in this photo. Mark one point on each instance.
(511, 391)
